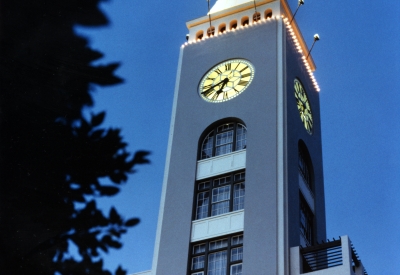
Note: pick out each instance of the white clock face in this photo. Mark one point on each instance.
(226, 80)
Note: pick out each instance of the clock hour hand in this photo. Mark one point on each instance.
(226, 80)
(212, 87)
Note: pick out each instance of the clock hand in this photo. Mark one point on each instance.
(226, 80)
(212, 87)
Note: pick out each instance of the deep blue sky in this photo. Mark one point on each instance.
(358, 71)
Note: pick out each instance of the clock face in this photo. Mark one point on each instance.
(303, 105)
(226, 80)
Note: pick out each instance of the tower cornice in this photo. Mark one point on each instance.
(283, 10)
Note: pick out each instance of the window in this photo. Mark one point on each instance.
(256, 17)
(245, 21)
(217, 257)
(305, 168)
(306, 221)
(220, 195)
(199, 35)
(224, 139)
(222, 28)
(268, 13)
(210, 31)
(233, 25)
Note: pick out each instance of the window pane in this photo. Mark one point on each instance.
(203, 185)
(220, 200)
(304, 166)
(221, 193)
(218, 244)
(240, 137)
(239, 176)
(237, 254)
(217, 263)
(225, 127)
(200, 248)
(223, 143)
(236, 269)
(237, 240)
(224, 138)
(306, 219)
(238, 196)
(207, 146)
(202, 205)
(220, 208)
(198, 262)
(200, 273)
(222, 181)
(224, 149)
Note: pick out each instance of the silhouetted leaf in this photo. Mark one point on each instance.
(97, 134)
(97, 119)
(132, 222)
(108, 190)
(120, 271)
(140, 157)
(114, 216)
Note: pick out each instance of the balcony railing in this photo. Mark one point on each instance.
(322, 256)
(333, 257)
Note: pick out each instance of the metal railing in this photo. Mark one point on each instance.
(322, 256)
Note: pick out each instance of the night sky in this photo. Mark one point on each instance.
(358, 71)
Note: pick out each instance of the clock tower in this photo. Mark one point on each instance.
(243, 180)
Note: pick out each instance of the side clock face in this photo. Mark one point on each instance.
(303, 105)
(226, 80)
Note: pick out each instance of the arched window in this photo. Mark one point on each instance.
(210, 31)
(305, 167)
(222, 28)
(233, 25)
(268, 14)
(256, 17)
(224, 139)
(199, 35)
(245, 21)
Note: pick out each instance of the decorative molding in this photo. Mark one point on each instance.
(221, 164)
(217, 226)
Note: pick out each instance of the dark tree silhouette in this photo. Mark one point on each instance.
(51, 157)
